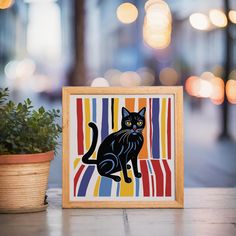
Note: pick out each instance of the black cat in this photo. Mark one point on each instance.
(118, 148)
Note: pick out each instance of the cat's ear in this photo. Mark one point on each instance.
(125, 112)
(142, 112)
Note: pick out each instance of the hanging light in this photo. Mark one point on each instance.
(127, 13)
(218, 18)
(199, 21)
(157, 24)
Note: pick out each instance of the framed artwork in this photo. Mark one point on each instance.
(122, 147)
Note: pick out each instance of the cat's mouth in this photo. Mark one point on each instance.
(135, 132)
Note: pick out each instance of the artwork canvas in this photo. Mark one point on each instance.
(123, 148)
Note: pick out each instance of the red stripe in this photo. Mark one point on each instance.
(77, 177)
(159, 177)
(153, 189)
(169, 129)
(145, 178)
(80, 135)
(150, 123)
(168, 178)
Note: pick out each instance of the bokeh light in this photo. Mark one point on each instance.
(41, 83)
(168, 76)
(127, 13)
(199, 21)
(100, 82)
(217, 95)
(192, 85)
(20, 69)
(4, 4)
(113, 77)
(205, 88)
(218, 18)
(157, 24)
(207, 75)
(232, 75)
(147, 76)
(231, 91)
(232, 16)
(129, 79)
(218, 70)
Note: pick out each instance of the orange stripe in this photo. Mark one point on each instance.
(142, 102)
(129, 104)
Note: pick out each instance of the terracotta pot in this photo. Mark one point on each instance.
(23, 182)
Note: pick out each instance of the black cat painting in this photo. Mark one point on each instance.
(120, 148)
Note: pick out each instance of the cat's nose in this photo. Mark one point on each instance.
(134, 127)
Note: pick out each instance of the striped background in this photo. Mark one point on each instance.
(155, 157)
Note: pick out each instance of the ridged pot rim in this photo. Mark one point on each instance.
(26, 158)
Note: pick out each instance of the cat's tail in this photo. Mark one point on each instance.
(86, 156)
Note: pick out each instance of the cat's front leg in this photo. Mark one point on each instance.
(124, 170)
(134, 161)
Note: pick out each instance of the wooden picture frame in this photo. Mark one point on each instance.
(165, 188)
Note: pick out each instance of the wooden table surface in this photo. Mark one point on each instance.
(208, 211)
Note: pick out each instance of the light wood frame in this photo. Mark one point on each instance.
(177, 91)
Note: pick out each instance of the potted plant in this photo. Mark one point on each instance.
(28, 139)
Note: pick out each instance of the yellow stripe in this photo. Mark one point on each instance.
(126, 189)
(87, 120)
(96, 190)
(76, 162)
(116, 112)
(163, 128)
(143, 152)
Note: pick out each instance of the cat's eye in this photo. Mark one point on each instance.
(128, 123)
(139, 123)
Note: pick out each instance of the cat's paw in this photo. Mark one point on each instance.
(138, 175)
(128, 180)
(128, 166)
(117, 178)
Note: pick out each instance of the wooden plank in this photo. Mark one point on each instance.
(204, 214)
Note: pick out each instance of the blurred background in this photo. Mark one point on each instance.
(46, 44)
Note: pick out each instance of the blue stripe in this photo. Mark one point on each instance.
(136, 187)
(118, 189)
(85, 181)
(104, 131)
(105, 187)
(156, 131)
(94, 109)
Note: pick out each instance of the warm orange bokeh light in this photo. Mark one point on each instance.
(168, 76)
(217, 95)
(206, 86)
(192, 85)
(127, 13)
(157, 24)
(218, 18)
(231, 91)
(232, 16)
(4, 4)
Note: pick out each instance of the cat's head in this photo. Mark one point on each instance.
(134, 122)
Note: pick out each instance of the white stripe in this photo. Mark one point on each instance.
(160, 150)
(98, 121)
(164, 176)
